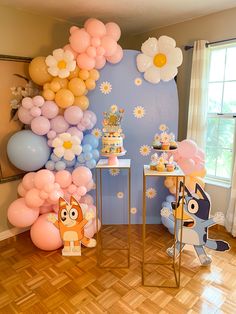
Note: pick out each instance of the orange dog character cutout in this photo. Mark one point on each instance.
(71, 226)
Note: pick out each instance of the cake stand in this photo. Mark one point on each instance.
(113, 158)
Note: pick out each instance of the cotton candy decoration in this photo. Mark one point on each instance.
(159, 59)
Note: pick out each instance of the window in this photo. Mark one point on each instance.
(221, 116)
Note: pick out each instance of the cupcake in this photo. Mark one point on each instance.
(156, 144)
(153, 166)
(170, 167)
(173, 145)
(160, 167)
(165, 146)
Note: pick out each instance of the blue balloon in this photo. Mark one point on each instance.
(88, 156)
(50, 165)
(91, 163)
(90, 139)
(170, 198)
(28, 151)
(166, 204)
(60, 165)
(87, 148)
(81, 158)
(54, 158)
(96, 154)
(69, 163)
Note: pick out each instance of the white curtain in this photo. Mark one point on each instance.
(230, 220)
(197, 113)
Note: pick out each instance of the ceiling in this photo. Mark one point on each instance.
(133, 16)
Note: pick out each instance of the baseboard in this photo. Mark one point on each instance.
(11, 233)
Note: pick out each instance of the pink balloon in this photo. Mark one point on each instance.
(95, 28)
(201, 153)
(117, 56)
(59, 124)
(75, 131)
(68, 48)
(21, 190)
(40, 125)
(109, 44)
(55, 195)
(45, 209)
(28, 180)
(43, 195)
(73, 28)
(73, 115)
(95, 42)
(187, 165)
(27, 103)
(89, 230)
(81, 176)
(91, 52)
(32, 198)
(35, 112)
(43, 177)
(20, 215)
(199, 166)
(187, 148)
(100, 62)
(50, 109)
(81, 190)
(72, 189)
(79, 40)
(100, 51)
(51, 134)
(85, 62)
(81, 127)
(24, 115)
(90, 185)
(63, 177)
(113, 30)
(87, 199)
(45, 235)
(38, 101)
(49, 187)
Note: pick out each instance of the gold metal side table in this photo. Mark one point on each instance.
(124, 164)
(178, 174)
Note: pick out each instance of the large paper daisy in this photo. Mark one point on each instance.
(139, 112)
(159, 59)
(105, 88)
(67, 146)
(151, 193)
(120, 194)
(60, 63)
(145, 150)
(97, 133)
(114, 171)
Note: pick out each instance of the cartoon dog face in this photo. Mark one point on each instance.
(69, 214)
(196, 207)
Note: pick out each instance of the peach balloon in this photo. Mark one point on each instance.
(64, 98)
(55, 86)
(62, 81)
(77, 86)
(91, 52)
(68, 48)
(95, 28)
(85, 62)
(95, 42)
(38, 71)
(117, 56)
(48, 94)
(84, 74)
(90, 84)
(79, 40)
(21, 190)
(28, 180)
(109, 44)
(113, 30)
(94, 74)
(100, 62)
(82, 102)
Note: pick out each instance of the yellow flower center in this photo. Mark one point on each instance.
(67, 144)
(61, 64)
(159, 60)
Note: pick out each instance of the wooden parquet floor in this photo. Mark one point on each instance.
(34, 281)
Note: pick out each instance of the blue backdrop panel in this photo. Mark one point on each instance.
(159, 103)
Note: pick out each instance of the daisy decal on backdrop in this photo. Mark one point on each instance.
(105, 88)
(139, 112)
(151, 193)
(163, 127)
(133, 210)
(67, 146)
(120, 194)
(145, 150)
(97, 133)
(114, 171)
(138, 81)
(60, 63)
(159, 59)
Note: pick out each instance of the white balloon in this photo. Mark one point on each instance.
(150, 47)
(152, 75)
(143, 62)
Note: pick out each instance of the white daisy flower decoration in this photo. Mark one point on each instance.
(145, 150)
(157, 137)
(114, 171)
(133, 210)
(97, 133)
(105, 87)
(139, 112)
(163, 127)
(165, 137)
(120, 194)
(60, 63)
(67, 146)
(138, 81)
(151, 193)
(159, 59)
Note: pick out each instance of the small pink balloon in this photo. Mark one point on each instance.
(75, 131)
(201, 153)
(187, 165)
(72, 189)
(40, 125)
(100, 61)
(45, 235)
(81, 127)
(73, 28)
(85, 62)
(79, 40)
(38, 101)
(49, 187)
(45, 209)
(117, 56)
(42, 178)
(113, 30)
(87, 199)
(63, 178)
(21, 215)
(43, 195)
(24, 115)
(91, 52)
(95, 28)
(90, 185)
(55, 195)
(73, 115)
(57, 186)
(109, 44)
(21, 190)
(81, 190)
(81, 176)
(51, 134)
(49, 142)
(50, 109)
(59, 124)
(95, 42)
(187, 148)
(33, 199)
(100, 51)
(68, 48)
(35, 112)
(27, 103)
(28, 181)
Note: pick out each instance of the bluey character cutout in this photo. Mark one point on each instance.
(71, 227)
(196, 213)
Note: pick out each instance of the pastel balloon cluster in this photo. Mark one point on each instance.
(90, 153)
(191, 160)
(95, 44)
(168, 222)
